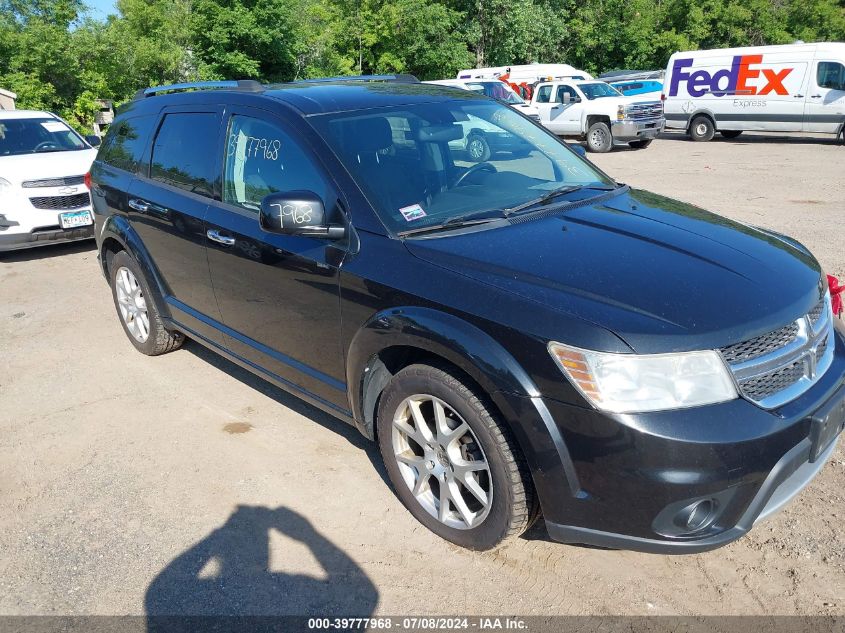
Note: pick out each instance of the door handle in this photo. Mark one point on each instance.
(815, 96)
(799, 96)
(215, 236)
(139, 205)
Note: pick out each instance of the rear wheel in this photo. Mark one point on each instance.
(599, 138)
(702, 129)
(452, 463)
(641, 144)
(730, 133)
(136, 308)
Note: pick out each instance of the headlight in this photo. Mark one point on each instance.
(632, 383)
(620, 112)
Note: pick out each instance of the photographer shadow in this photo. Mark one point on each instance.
(226, 577)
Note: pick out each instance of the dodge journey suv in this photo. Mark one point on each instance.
(521, 335)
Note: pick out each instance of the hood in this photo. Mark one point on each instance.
(16, 169)
(662, 275)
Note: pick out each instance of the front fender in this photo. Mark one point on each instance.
(489, 364)
(446, 335)
(117, 228)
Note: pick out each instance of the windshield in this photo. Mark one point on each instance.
(599, 90)
(426, 164)
(496, 90)
(32, 136)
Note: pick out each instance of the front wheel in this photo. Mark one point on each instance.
(599, 138)
(640, 144)
(452, 463)
(478, 148)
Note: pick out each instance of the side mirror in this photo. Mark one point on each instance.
(93, 140)
(567, 98)
(297, 213)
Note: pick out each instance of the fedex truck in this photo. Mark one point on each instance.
(790, 88)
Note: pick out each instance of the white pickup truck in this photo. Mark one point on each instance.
(597, 113)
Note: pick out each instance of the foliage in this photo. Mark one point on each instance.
(57, 57)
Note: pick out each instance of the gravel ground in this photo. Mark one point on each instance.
(183, 484)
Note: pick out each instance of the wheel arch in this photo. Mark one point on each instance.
(118, 235)
(702, 112)
(596, 118)
(395, 338)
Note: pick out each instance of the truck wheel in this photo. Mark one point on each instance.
(701, 128)
(136, 308)
(730, 133)
(478, 148)
(641, 144)
(599, 138)
(452, 463)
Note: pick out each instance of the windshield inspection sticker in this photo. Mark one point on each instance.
(54, 126)
(414, 212)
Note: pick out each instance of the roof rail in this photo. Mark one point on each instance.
(241, 85)
(405, 79)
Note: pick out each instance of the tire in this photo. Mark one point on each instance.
(641, 144)
(599, 138)
(730, 133)
(702, 128)
(478, 148)
(137, 310)
(507, 505)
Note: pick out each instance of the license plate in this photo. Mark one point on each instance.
(828, 422)
(74, 219)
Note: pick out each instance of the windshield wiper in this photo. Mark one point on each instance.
(554, 193)
(467, 219)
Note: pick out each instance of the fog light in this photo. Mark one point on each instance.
(696, 516)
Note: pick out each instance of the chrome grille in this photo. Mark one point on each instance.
(644, 110)
(61, 202)
(67, 181)
(761, 345)
(767, 385)
(777, 367)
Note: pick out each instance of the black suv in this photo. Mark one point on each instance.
(517, 334)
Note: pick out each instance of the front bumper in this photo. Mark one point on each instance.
(628, 130)
(38, 228)
(620, 481)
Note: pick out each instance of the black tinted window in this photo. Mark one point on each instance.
(125, 142)
(831, 75)
(261, 159)
(184, 151)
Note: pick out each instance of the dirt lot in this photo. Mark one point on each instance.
(183, 484)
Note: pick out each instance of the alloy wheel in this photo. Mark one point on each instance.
(442, 462)
(132, 304)
(476, 149)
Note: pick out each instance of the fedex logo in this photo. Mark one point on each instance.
(741, 79)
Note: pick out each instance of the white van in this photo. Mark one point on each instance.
(789, 88)
(526, 73)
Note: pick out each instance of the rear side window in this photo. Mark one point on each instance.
(261, 158)
(184, 151)
(123, 147)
